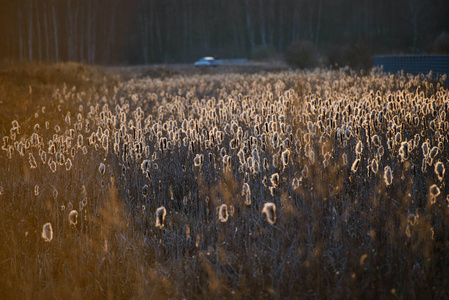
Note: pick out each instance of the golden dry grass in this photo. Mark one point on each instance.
(311, 151)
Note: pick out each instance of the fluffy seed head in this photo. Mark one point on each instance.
(73, 217)
(434, 152)
(412, 219)
(398, 138)
(68, 164)
(32, 160)
(198, 160)
(434, 191)
(374, 166)
(102, 168)
(425, 148)
(223, 213)
(376, 140)
(160, 216)
(440, 170)
(295, 183)
(47, 232)
(285, 157)
(403, 151)
(305, 172)
(274, 179)
(246, 192)
(269, 210)
(359, 148)
(355, 165)
(388, 175)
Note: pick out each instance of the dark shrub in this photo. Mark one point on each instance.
(302, 54)
(441, 43)
(355, 56)
(263, 52)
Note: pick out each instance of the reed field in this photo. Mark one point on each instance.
(280, 185)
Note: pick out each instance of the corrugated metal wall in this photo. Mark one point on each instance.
(414, 64)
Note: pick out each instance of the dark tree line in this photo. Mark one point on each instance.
(147, 31)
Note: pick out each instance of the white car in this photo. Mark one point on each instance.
(207, 61)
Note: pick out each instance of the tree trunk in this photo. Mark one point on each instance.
(249, 29)
(89, 33)
(262, 24)
(21, 48)
(30, 32)
(39, 38)
(47, 40)
(55, 31)
(318, 25)
(144, 34)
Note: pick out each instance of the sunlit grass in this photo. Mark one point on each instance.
(324, 184)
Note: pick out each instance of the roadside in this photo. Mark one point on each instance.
(170, 70)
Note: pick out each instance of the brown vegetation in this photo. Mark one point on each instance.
(225, 186)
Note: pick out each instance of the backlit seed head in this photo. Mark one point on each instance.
(241, 156)
(145, 190)
(425, 148)
(412, 219)
(102, 168)
(198, 160)
(68, 164)
(374, 166)
(160, 216)
(434, 191)
(33, 164)
(398, 138)
(145, 166)
(246, 192)
(274, 179)
(295, 183)
(269, 210)
(359, 148)
(15, 124)
(52, 165)
(380, 151)
(434, 152)
(80, 140)
(73, 217)
(355, 165)
(47, 232)
(305, 172)
(388, 175)
(403, 151)
(223, 213)
(440, 170)
(285, 157)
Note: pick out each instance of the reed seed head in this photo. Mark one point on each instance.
(388, 175)
(47, 232)
(269, 210)
(73, 217)
(160, 216)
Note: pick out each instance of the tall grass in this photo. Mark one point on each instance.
(325, 184)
